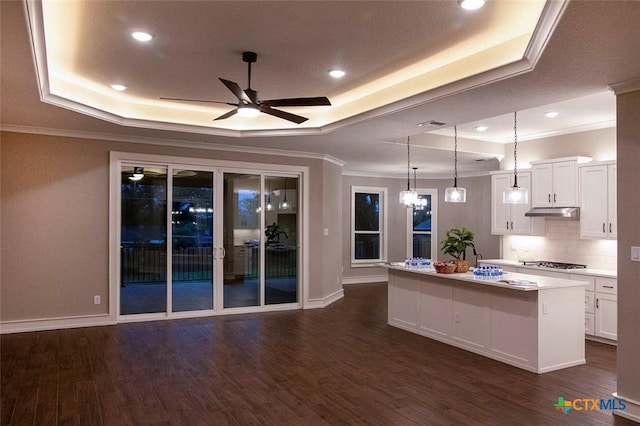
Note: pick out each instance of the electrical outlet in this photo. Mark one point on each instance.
(456, 317)
(96, 300)
(635, 254)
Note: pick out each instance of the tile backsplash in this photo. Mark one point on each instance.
(562, 243)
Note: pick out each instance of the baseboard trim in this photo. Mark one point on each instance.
(632, 410)
(366, 279)
(325, 301)
(24, 326)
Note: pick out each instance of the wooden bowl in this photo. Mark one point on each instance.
(447, 268)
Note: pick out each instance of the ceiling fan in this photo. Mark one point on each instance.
(249, 105)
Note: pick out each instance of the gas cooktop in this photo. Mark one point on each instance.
(554, 265)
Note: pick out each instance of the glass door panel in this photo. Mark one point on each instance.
(192, 241)
(241, 240)
(143, 240)
(281, 243)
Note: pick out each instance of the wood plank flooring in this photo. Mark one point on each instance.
(342, 365)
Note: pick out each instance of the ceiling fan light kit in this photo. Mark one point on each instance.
(249, 105)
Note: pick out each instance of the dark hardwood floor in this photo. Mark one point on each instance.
(341, 365)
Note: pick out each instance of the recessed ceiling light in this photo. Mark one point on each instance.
(141, 36)
(471, 4)
(481, 128)
(551, 114)
(337, 73)
(118, 87)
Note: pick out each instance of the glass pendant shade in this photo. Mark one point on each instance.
(515, 195)
(455, 195)
(408, 198)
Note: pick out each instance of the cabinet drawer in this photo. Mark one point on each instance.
(589, 324)
(589, 302)
(590, 280)
(606, 285)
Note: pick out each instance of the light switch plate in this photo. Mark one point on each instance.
(635, 254)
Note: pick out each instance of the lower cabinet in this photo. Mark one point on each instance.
(600, 300)
(606, 325)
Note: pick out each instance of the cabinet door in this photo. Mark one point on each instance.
(500, 212)
(612, 201)
(541, 185)
(564, 184)
(521, 224)
(593, 212)
(607, 316)
(589, 321)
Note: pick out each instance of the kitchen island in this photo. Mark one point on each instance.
(534, 322)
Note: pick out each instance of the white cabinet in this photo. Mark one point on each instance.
(510, 218)
(598, 201)
(606, 294)
(554, 183)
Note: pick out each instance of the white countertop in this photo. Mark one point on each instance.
(537, 282)
(587, 271)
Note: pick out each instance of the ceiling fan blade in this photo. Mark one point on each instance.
(198, 100)
(297, 102)
(282, 114)
(227, 115)
(236, 90)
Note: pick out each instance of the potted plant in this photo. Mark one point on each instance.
(456, 243)
(273, 233)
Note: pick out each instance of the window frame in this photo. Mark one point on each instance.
(382, 225)
(433, 192)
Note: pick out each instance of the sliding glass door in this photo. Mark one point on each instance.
(143, 240)
(281, 244)
(193, 239)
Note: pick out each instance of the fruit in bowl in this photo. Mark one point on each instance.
(444, 267)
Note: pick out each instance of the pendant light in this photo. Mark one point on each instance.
(284, 205)
(515, 194)
(408, 197)
(420, 203)
(454, 194)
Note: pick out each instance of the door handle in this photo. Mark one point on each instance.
(610, 228)
(554, 198)
(507, 224)
(607, 286)
(215, 252)
(512, 225)
(603, 227)
(224, 252)
(597, 303)
(549, 196)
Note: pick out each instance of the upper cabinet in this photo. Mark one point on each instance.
(510, 218)
(598, 209)
(554, 183)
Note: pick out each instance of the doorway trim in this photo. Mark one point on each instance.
(118, 158)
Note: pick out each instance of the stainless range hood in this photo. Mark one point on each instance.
(566, 212)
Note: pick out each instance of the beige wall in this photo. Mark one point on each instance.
(475, 215)
(598, 144)
(54, 224)
(628, 363)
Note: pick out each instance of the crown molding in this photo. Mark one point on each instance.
(626, 86)
(169, 142)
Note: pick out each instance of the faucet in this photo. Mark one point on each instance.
(477, 255)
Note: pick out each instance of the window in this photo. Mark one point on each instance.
(368, 225)
(422, 224)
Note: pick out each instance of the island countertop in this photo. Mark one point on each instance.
(514, 281)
